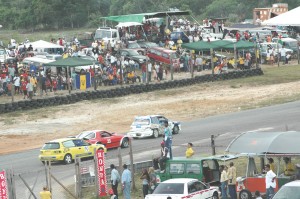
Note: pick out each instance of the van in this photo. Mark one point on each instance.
(205, 169)
(163, 55)
(107, 34)
(290, 44)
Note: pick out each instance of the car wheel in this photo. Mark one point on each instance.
(175, 130)
(155, 133)
(125, 143)
(68, 159)
(245, 194)
(215, 196)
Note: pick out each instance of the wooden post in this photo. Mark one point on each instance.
(211, 61)
(120, 160)
(68, 79)
(96, 174)
(78, 178)
(12, 91)
(213, 147)
(131, 165)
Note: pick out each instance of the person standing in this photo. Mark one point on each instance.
(29, 88)
(232, 180)
(45, 194)
(115, 178)
(168, 138)
(224, 181)
(126, 182)
(189, 151)
(149, 70)
(145, 181)
(270, 182)
(152, 182)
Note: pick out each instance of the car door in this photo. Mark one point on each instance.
(108, 139)
(82, 148)
(155, 123)
(193, 170)
(197, 190)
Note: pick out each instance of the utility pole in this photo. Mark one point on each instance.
(131, 165)
(213, 146)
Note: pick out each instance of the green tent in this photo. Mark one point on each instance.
(71, 62)
(205, 46)
(240, 45)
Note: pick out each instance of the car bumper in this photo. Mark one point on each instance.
(140, 134)
(53, 158)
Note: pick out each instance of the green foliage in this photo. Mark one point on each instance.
(31, 15)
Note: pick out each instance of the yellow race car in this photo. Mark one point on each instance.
(67, 149)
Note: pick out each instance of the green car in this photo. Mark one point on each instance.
(205, 169)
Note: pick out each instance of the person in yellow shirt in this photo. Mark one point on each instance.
(45, 194)
(289, 168)
(189, 151)
(231, 174)
(179, 42)
(241, 63)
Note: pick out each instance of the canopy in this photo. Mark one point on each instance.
(266, 142)
(41, 44)
(290, 18)
(71, 62)
(219, 44)
(140, 17)
(128, 24)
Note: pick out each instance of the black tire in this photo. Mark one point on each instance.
(68, 159)
(155, 133)
(245, 194)
(125, 143)
(175, 129)
(215, 195)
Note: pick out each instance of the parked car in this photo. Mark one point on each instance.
(151, 126)
(67, 149)
(265, 46)
(290, 190)
(134, 45)
(134, 55)
(164, 55)
(184, 188)
(109, 140)
(176, 35)
(147, 44)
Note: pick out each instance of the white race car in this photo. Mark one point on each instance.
(151, 126)
(181, 188)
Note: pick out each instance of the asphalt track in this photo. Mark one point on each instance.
(197, 131)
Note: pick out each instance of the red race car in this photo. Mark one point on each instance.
(110, 140)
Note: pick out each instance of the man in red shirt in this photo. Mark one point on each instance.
(92, 72)
(237, 36)
(23, 87)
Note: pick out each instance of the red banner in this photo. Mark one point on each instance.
(3, 186)
(102, 191)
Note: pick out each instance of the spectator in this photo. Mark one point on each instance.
(17, 83)
(257, 195)
(289, 168)
(24, 88)
(145, 181)
(45, 194)
(126, 182)
(232, 181)
(189, 151)
(224, 181)
(29, 88)
(115, 179)
(163, 158)
(270, 182)
(168, 138)
(152, 182)
(156, 160)
(112, 195)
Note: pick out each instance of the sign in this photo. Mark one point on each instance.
(3, 186)
(102, 190)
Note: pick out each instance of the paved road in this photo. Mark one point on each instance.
(198, 131)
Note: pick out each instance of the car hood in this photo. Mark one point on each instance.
(160, 196)
(139, 57)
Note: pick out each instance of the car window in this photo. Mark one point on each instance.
(165, 55)
(176, 168)
(141, 121)
(68, 144)
(124, 53)
(158, 53)
(105, 134)
(152, 51)
(87, 135)
(288, 192)
(51, 145)
(195, 186)
(192, 168)
(80, 143)
(169, 188)
(155, 120)
(210, 164)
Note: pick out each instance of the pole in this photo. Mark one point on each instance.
(131, 165)
(95, 85)
(235, 57)
(211, 61)
(298, 53)
(256, 53)
(12, 91)
(213, 147)
(278, 55)
(40, 82)
(192, 66)
(120, 159)
(68, 79)
(96, 174)
(171, 68)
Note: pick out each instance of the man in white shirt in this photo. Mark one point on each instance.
(149, 70)
(270, 182)
(199, 64)
(283, 54)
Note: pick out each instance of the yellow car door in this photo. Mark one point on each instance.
(81, 149)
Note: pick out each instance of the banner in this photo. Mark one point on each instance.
(102, 190)
(3, 186)
(82, 82)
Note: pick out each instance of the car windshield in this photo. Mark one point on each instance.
(169, 188)
(51, 145)
(133, 45)
(293, 44)
(100, 34)
(141, 121)
(288, 192)
(133, 53)
(87, 135)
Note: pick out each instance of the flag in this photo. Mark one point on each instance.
(82, 82)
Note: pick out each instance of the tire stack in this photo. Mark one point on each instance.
(123, 91)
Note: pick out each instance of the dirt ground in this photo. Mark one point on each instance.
(31, 129)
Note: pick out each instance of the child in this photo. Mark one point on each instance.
(257, 195)
(112, 195)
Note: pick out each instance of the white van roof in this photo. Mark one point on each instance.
(37, 60)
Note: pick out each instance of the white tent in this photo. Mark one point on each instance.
(290, 18)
